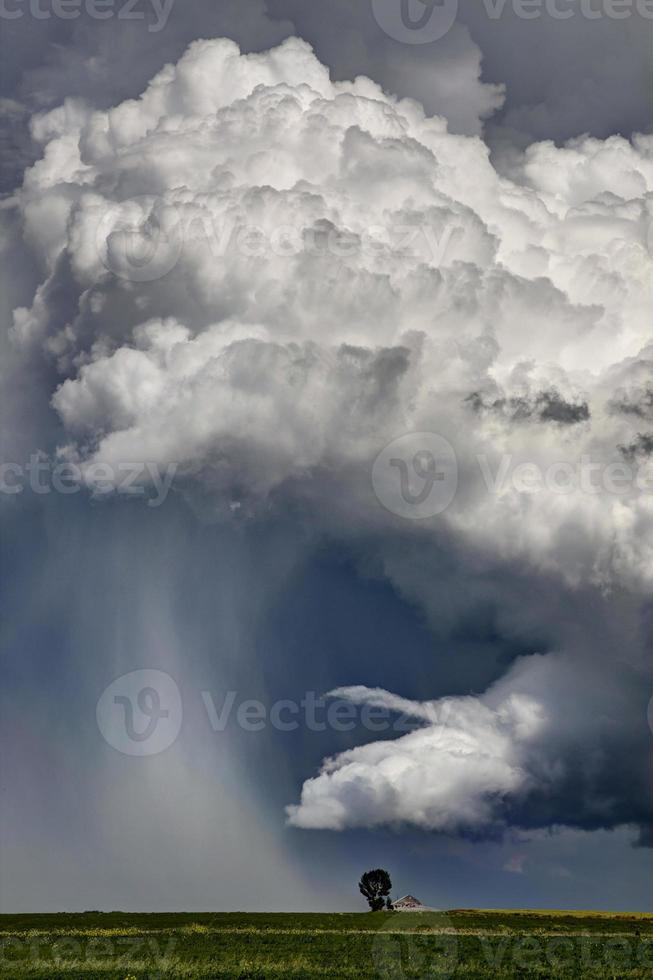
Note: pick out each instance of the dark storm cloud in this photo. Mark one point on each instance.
(641, 446)
(638, 402)
(542, 406)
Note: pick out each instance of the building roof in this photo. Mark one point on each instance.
(408, 900)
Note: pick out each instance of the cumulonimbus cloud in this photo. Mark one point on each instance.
(265, 277)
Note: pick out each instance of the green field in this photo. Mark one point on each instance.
(390, 946)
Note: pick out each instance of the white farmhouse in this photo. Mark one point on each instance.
(409, 904)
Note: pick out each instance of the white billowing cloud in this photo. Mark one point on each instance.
(445, 776)
(557, 740)
(266, 277)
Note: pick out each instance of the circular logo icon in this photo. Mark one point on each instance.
(415, 21)
(140, 713)
(416, 475)
(400, 950)
(139, 239)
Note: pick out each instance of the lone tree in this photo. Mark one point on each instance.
(375, 886)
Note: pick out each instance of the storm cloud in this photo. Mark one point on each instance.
(264, 277)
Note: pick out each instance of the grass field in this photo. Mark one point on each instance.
(467, 944)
